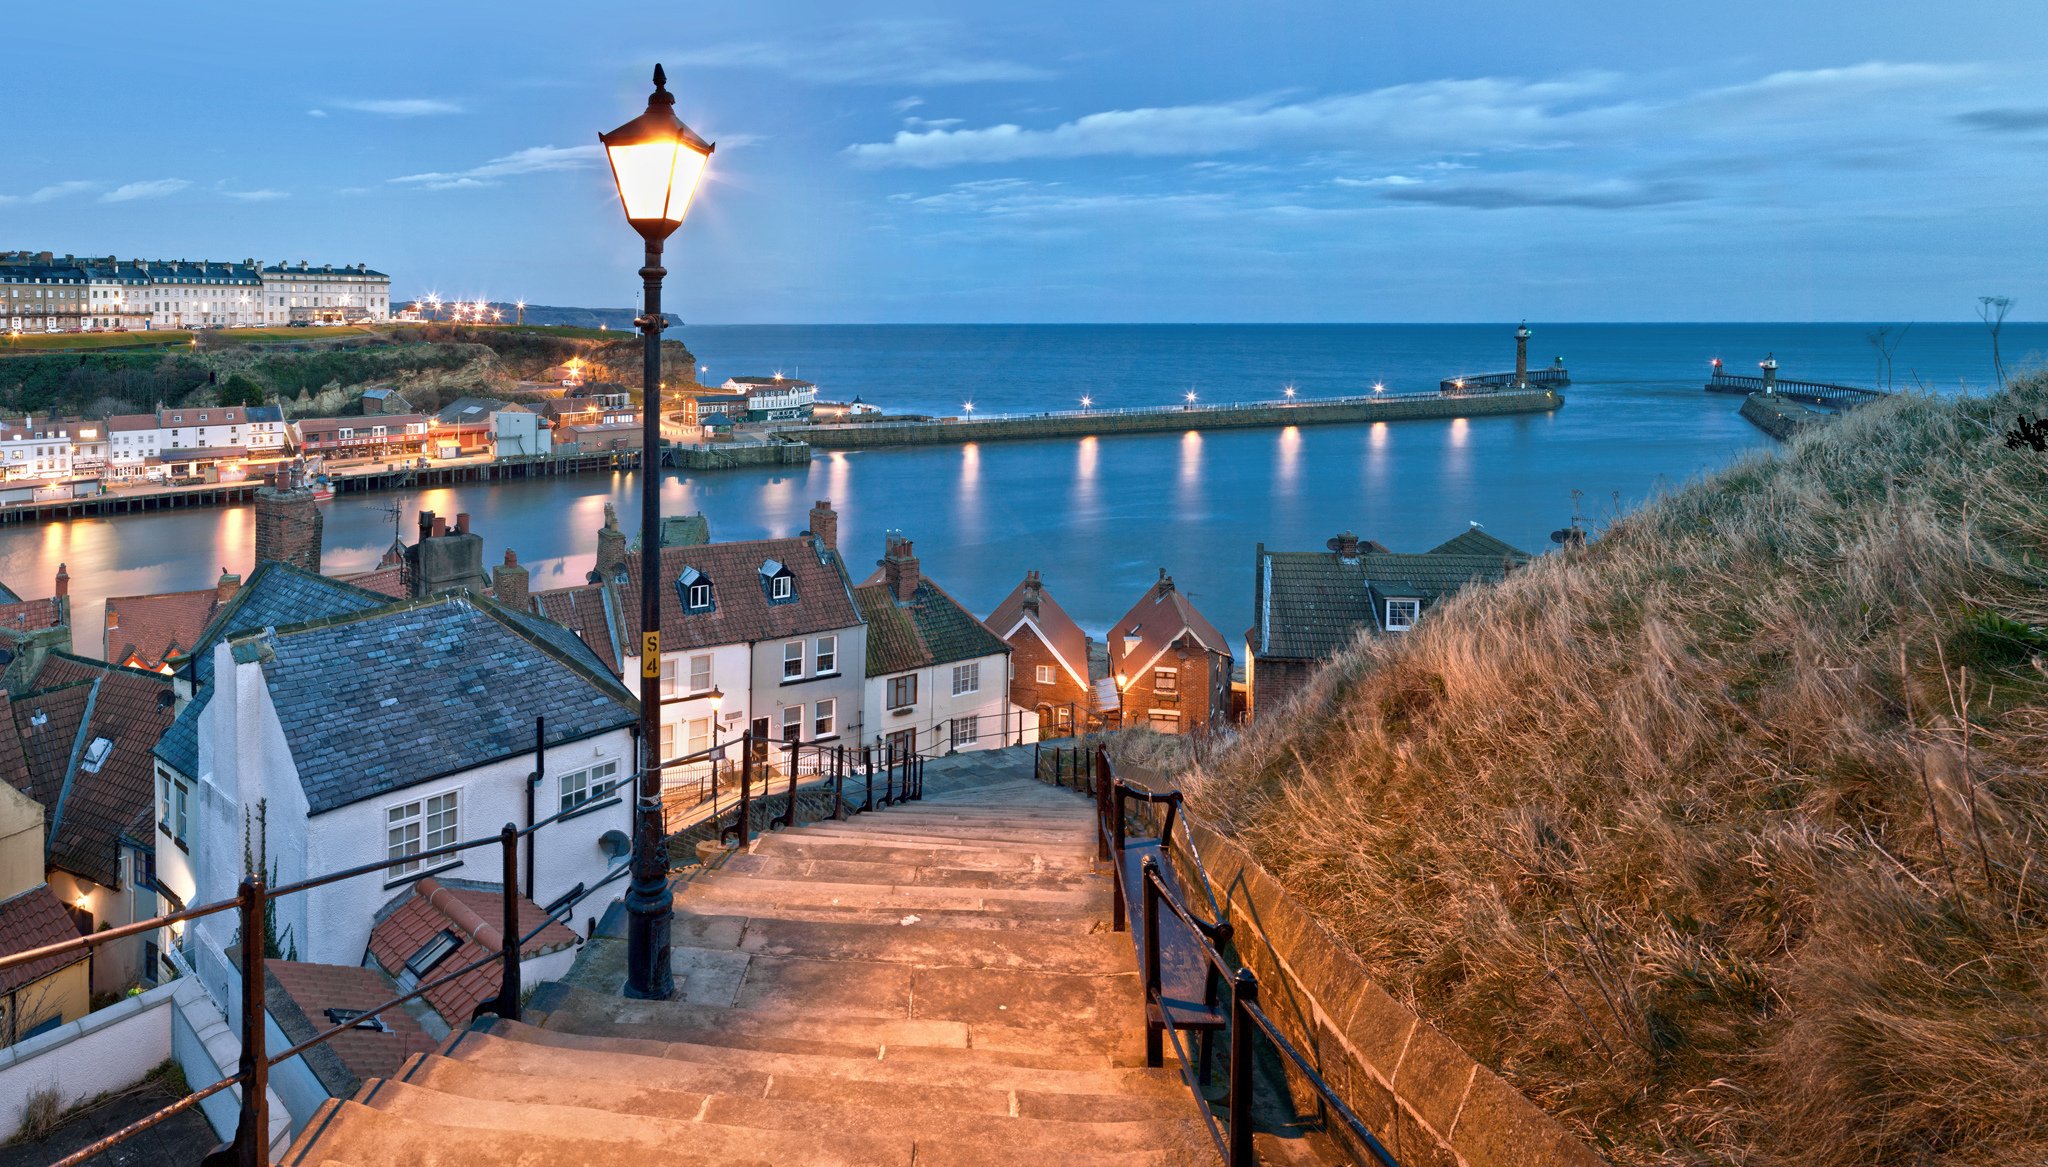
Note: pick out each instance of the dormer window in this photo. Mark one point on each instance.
(778, 581)
(693, 588)
(1402, 614)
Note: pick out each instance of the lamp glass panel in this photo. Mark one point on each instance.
(643, 172)
(689, 171)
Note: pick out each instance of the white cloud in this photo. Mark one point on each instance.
(532, 160)
(155, 188)
(398, 107)
(55, 190)
(896, 52)
(905, 105)
(263, 195)
(316, 113)
(1384, 180)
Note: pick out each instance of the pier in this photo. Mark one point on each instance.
(1821, 393)
(1174, 419)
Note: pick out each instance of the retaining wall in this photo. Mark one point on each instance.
(1420, 1094)
(105, 1050)
(1778, 416)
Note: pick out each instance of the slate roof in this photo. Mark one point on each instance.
(741, 610)
(32, 919)
(379, 701)
(1307, 605)
(430, 908)
(276, 594)
(468, 411)
(1159, 619)
(92, 796)
(932, 629)
(1051, 623)
(581, 609)
(298, 998)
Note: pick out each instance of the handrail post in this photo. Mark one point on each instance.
(838, 782)
(889, 777)
(746, 822)
(1102, 803)
(789, 817)
(1244, 991)
(251, 1145)
(867, 766)
(1155, 1026)
(507, 1003)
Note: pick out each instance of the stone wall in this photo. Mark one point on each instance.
(1425, 1099)
(1778, 416)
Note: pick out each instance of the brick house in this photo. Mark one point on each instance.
(1048, 657)
(1170, 666)
(1308, 605)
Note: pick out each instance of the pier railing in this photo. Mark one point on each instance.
(1195, 408)
(1811, 392)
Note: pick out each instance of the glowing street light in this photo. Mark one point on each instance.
(969, 407)
(1289, 391)
(1087, 401)
(1191, 399)
(520, 305)
(657, 162)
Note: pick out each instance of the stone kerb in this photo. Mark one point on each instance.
(1428, 1101)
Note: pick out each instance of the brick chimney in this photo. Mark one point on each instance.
(445, 560)
(825, 524)
(611, 543)
(224, 589)
(288, 525)
(1165, 584)
(899, 568)
(511, 583)
(63, 581)
(1034, 591)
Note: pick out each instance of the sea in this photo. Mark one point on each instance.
(1100, 517)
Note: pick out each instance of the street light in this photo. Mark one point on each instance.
(657, 162)
(521, 306)
(1087, 401)
(1289, 391)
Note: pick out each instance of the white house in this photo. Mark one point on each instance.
(938, 679)
(776, 398)
(518, 432)
(324, 294)
(376, 736)
(31, 449)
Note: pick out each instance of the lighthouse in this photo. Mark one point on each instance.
(1522, 335)
(1770, 367)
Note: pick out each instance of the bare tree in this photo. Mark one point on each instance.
(1886, 342)
(1991, 310)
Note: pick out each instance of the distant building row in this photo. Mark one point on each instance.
(41, 292)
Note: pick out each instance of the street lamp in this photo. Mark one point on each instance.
(1087, 401)
(1289, 391)
(657, 162)
(521, 306)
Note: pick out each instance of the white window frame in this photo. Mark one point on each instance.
(1164, 717)
(824, 718)
(1043, 674)
(669, 668)
(967, 678)
(1166, 680)
(792, 666)
(412, 827)
(696, 736)
(668, 740)
(966, 731)
(593, 783)
(825, 655)
(792, 718)
(700, 673)
(1410, 609)
(782, 587)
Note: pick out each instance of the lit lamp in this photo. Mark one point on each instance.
(657, 162)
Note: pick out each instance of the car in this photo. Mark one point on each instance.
(299, 324)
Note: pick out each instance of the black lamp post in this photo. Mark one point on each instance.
(656, 162)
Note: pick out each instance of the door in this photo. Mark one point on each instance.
(901, 745)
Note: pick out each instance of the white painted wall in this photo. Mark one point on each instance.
(772, 693)
(937, 705)
(110, 1049)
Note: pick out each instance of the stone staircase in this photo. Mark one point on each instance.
(931, 984)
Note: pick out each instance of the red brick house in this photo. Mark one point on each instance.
(1170, 666)
(1048, 657)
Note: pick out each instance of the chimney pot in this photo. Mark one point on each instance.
(462, 523)
(825, 524)
(63, 581)
(440, 527)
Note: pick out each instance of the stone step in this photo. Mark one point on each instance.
(769, 863)
(700, 918)
(716, 888)
(956, 857)
(901, 832)
(911, 940)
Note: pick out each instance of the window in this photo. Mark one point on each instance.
(1166, 681)
(668, 677)
(781, 588)
(1065, 716)
(697, 735)
(793, 659)
(598, 781)
(700, 673)
(174, 805)
(967, 678)
(827, 654)
(966, 731)
(1402, 614)
(824, 716)
(1165, 720)
(413, 827)
(1044, 674)
(694, 587)
(668, 742)
(700, 597)
(902, 691)
(792, 722)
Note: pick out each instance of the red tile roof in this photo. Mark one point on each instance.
(33, 919)
(1012, 619)
(313, 989)
(472, 915)
(581, 609)
(32, 615)
(1162, 617)
(385, 581)
(92, 794)
(741, 609)
(153, 628)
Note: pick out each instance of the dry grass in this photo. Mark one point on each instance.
(1723, 837)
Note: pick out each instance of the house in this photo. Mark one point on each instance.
(144, 632)
(938, 679)
(78, 739)
(438, 926)
(378, 736)
(385, 400)
(463, 426)
(596, 438)
(32, 629)
(722, 410)
(1048, 657)
(519, 432)
(1308, 605)
(775, 398)
(38, 451)
(760, 635)
(607, 404)
(44, 994)
(400, 435)
(304, 998)
(1170, 665)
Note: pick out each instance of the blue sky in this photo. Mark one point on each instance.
(1188, 161)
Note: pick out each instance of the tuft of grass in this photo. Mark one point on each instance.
(1721, 838)
(41, 1112)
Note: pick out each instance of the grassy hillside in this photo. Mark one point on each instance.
(1723, 837)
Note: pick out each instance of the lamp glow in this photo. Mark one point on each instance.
(657, 162)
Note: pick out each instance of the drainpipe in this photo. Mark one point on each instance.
(540, 769)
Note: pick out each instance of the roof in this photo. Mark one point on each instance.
(86, 750)
(468, 411)
(299, 996)
(32, 919)
(379, 701)
(741, 610)
(1159, 620)
(325, 269)
(32, 615)
(1049, 622)
(770, 382)
(685, 530)
(214, 415)
(390, 422)
(431, 907)
(275, 595)
(155, 628)
(1307, 605)
(385, 581)
(125, 422)
(581, 609)
(932, 629)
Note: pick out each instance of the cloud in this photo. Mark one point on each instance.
(316, 113)
(1386, 180)
(398, 107)
(896, 52)
(905, 105)
(2006, 121)
(55, 190)
(257, 196)
(532, 160)
(1505, 192)
(155, 188)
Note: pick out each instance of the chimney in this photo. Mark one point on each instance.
(1033, 592)
(446, 560)
(1345, 545)
(113, 618)
(511, 583)
(224, 589)
(462, 523)
(1165, 585)
(288, 526)
(63, 581)
(426, 525)
(439, 528)
(825, 524)
(611, 544)
(899, 568)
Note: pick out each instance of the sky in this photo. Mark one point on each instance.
(1184, 161)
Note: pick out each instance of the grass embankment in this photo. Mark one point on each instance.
(1722, 838)
(67, 342)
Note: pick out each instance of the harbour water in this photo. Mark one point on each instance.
(1098, 516)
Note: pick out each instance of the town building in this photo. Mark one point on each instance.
(30, 630)
(775, 398)
(519, 432)
(1309, 605)
(595, 438)
(117, 295)
(463, 426)
(377, 437)
(1048, 657)
(385, 400)
(938, 679)
(39, 450)
(1170, 667)
(43, 994)
(324, 294)
(38, 293)
(147, 632)
(187, 440)
(200, 294)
